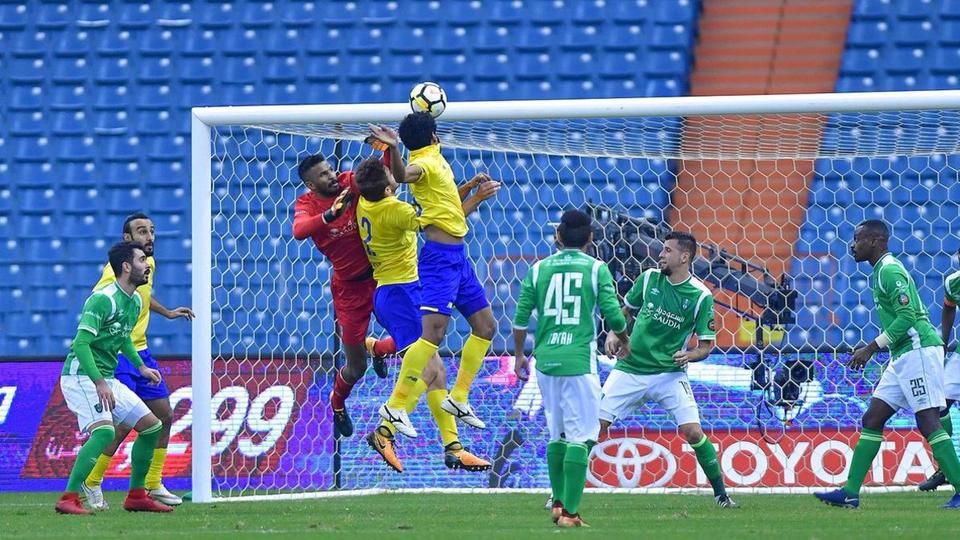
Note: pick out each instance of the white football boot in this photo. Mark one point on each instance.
(163, 495)
(399, 419)
(462, 411)
(94, 496)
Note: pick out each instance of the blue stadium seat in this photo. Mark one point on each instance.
(26, 98)
(52, 16)
(80, 200)
(158, 41)
(31, 44)
(917, 10)
(26, 70)
(155, 70)
(868, 34)
(914, 33)
(13, 16)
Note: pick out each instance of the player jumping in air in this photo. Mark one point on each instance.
(388, 228)
(139, 228)
(327, 215)
(446, 274)
(98, 399)
(951, 368)
(671, 306)
(912, 380)
(565, 289)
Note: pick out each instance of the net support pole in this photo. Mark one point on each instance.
(202, 223)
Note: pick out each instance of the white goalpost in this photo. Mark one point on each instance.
(771, 185)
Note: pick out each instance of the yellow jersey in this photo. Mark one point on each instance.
(139, 332)
(436, 192)
(388, 229)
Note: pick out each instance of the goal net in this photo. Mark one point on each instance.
(771, 185)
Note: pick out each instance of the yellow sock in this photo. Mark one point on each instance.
(471, 359)
(418, 389)
(416, 358)
(155, 473)
(445, 421)
(95, 478)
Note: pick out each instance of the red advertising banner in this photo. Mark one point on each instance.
(640, 458)
(253, 421)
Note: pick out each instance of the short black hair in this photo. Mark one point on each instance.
(687, 242)
(122, 252)
(371, 178)
(308, 163)
(875, 228)
(574, 228)
(417, 129)
(131, 218)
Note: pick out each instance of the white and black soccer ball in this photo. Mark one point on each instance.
(428, 97)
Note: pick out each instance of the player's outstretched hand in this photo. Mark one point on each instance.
(151, 374)
(488, 189)
(376, 143)
(184, 312)
(339, 206)
(384, 134)
(860, 358)
(521, 367)
(105, 395)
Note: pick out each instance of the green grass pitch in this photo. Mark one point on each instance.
(520, 516)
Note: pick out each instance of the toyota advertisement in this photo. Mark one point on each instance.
(272, 431)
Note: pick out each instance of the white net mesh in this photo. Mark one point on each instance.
(768, 195)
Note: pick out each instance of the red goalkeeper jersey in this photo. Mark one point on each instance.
(339, 241)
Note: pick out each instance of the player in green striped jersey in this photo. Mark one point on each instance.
(672, 306)
(94, 394)
(912, 380)
(565, 289)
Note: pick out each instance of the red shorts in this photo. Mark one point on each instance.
(353, 304)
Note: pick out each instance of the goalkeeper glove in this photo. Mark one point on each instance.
(339, 206)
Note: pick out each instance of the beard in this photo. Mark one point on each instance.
(666, 270)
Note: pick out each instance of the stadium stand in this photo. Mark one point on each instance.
(890, 46)
(97, 106)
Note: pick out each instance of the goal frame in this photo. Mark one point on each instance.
(204, 119)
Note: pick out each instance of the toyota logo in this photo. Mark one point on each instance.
(629, 463)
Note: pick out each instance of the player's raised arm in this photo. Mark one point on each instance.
(488, 188)
(404, 174)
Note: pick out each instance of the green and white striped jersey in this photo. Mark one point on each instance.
(565, 289)
(668, 315)
(110, 315)
(903, 318)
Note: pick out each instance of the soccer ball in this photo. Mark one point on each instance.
(428, 97)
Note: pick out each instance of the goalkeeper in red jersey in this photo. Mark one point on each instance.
(326, 214)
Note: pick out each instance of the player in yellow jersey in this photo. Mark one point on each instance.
(388, 229)
(139, 228)
(446, 274)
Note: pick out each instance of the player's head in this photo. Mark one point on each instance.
(139, 228)
(679, 250)
(129, 262)
(575, 230)
(418, 130)
(869, 240)
(374, 180)
(319, 176)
